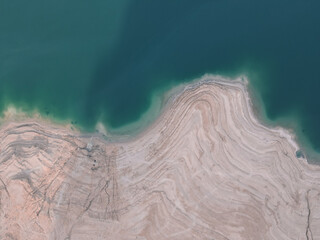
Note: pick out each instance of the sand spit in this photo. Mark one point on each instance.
(207, 169)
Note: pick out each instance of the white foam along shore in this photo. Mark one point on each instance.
(163, 101)
(160, 104)
(205, 169)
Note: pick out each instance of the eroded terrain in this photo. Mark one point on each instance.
(207, 169)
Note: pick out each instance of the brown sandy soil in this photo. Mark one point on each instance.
(207, 169)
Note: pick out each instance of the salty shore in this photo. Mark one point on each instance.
(205, 169)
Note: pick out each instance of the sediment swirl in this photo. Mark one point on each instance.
(206, 169)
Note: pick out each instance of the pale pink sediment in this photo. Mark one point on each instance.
(207, 169)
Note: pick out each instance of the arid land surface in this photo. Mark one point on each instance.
(206, 169)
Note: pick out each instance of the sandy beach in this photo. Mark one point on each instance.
(205, 169)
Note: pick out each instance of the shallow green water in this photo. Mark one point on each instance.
(103, 59)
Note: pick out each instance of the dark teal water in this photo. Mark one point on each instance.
(103, 59)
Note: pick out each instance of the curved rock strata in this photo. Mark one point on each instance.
(207, 169)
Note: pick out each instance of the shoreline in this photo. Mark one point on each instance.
(164, 101)
(200, 171)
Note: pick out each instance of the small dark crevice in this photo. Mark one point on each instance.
(308, 230)
(5, 187)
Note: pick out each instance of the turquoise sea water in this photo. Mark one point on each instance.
(103, 59)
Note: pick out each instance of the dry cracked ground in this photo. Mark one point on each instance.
(207, 169)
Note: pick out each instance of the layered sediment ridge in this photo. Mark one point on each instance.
(207, 169)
